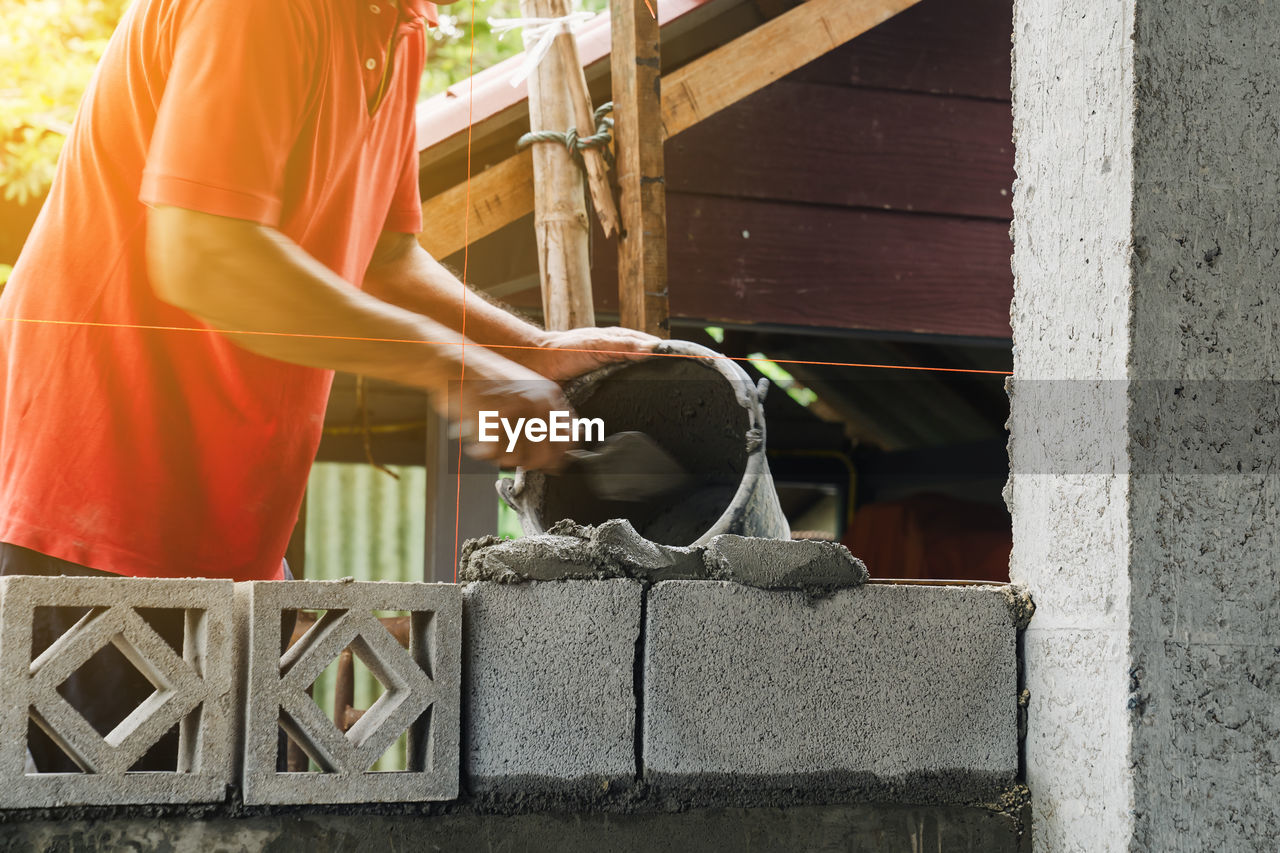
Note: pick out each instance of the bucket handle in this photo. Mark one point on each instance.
(507, 491)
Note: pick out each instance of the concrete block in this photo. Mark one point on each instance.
(421, 691)
(549, 689)
(884, 691)
(194, 690)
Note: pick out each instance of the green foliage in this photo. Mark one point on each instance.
(48, 50)
(449, 47)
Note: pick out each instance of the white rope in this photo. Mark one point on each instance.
(541, 32)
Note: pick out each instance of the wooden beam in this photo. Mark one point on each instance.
(498, 196)
(767, 53)
(637, 113)
(502, 194)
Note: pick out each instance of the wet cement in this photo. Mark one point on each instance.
(615, 549)
(1021, 606)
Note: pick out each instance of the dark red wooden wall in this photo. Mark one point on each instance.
(869, 190)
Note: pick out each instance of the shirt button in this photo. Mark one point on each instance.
(371, 64)
(375, 8)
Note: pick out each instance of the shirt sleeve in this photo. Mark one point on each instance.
(405, 215)
(233, 103)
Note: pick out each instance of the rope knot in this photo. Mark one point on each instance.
(571, 140)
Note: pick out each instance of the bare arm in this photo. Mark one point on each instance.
(241, 277)
(404, 274)
(244, 277)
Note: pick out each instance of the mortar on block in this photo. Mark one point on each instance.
(704, 411)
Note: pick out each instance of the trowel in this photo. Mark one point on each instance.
(630, 466)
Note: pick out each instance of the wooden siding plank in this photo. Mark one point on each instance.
(890, 150)
(764, 262)
(938, 46)
(805, 265)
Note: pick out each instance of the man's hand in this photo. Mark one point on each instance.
(496, 384)
(564, 355)
(518, 383)
(511, 377)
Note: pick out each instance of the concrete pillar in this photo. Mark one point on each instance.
(1144, 415)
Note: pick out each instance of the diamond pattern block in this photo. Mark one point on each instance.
(421, 690)
(193, 690)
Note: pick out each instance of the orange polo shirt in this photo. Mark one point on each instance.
(171, 452)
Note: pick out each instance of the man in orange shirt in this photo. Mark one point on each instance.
(233, 218)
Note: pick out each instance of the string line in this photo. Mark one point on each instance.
(464, 344)
(466, 254)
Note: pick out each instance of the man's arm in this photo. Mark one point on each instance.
(242, 277)
(404, 274)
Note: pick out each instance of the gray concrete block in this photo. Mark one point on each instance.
(885, 691)
(549, 690)
(194, 691)
(421, 691)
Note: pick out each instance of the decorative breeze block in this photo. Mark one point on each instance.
(193, 690)
(421, 695)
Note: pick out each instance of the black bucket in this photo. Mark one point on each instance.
(700, 408)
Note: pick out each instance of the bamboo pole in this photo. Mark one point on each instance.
(560, 208)
(585, 122)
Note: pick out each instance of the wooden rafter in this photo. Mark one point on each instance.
(504, 193)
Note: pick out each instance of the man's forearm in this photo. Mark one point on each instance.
(404, 274)
(247, 278)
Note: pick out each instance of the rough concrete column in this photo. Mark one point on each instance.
(1144, 415)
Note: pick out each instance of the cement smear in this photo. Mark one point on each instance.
(1021, 606)
(614, 549)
